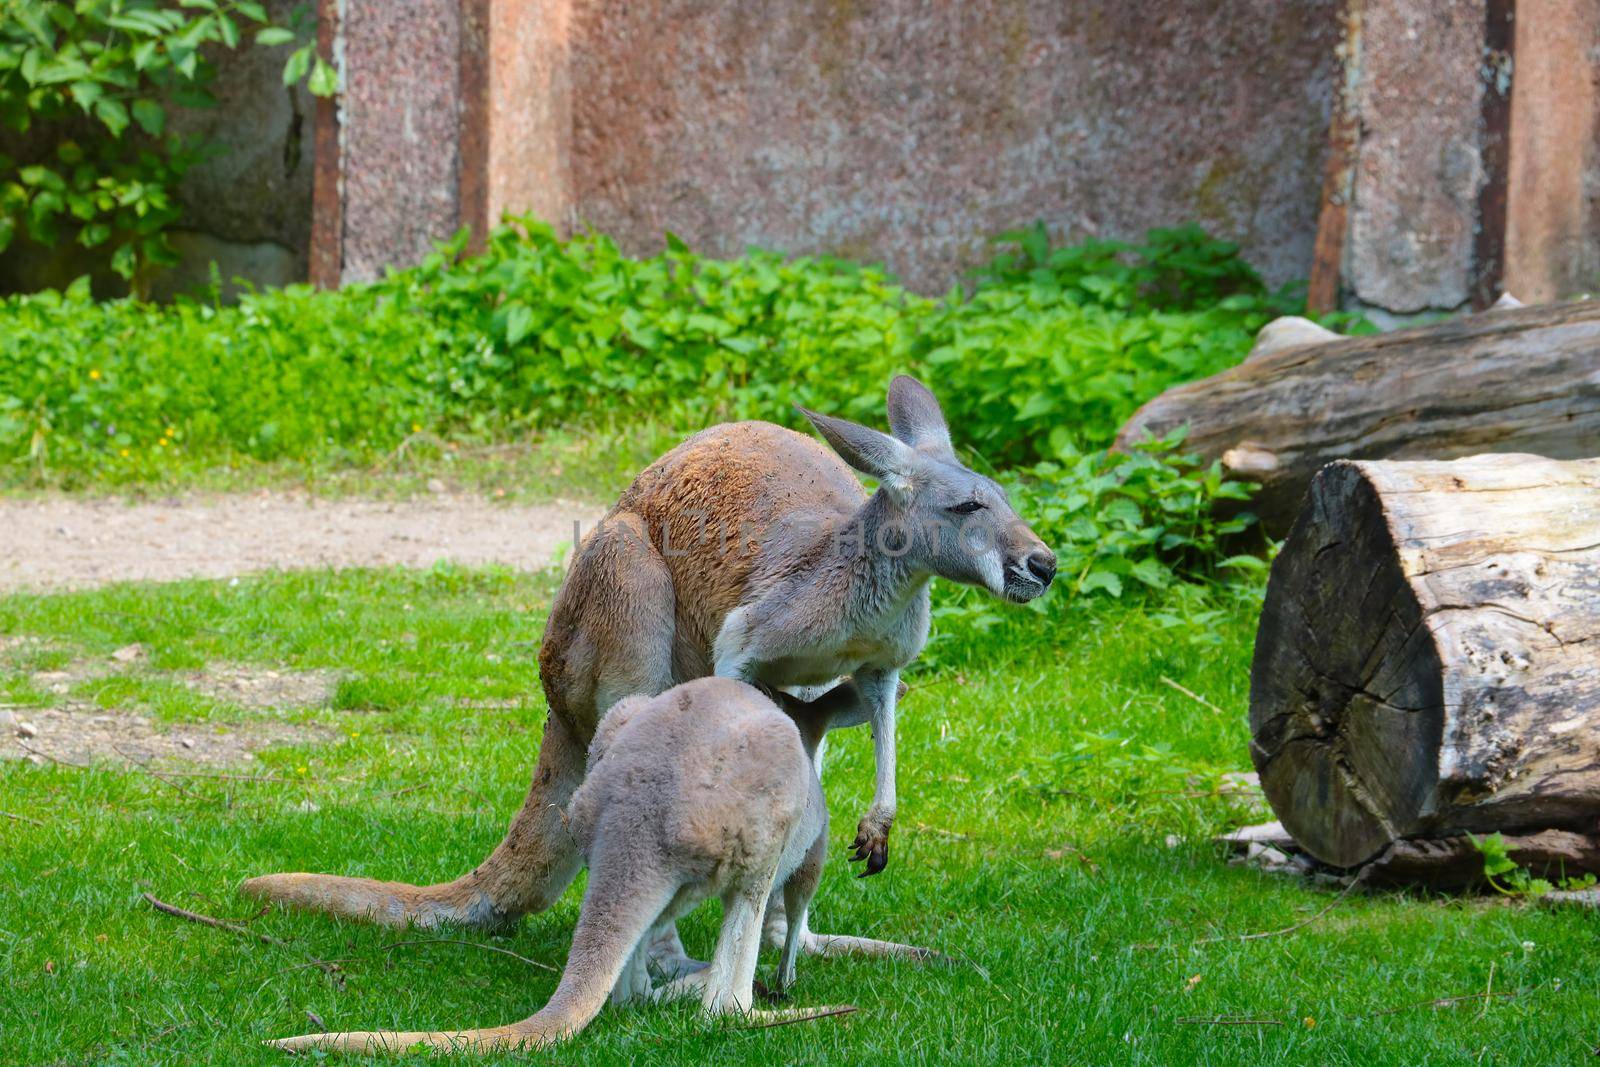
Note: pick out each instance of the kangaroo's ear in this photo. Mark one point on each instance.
(867, 450)
(915, 418)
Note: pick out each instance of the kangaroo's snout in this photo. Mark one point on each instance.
(1030, 567)
(1042, 565)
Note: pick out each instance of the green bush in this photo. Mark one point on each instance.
(94, 81)
(1036, 363)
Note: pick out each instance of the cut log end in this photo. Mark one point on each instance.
(1345, 696)
(1425, 663)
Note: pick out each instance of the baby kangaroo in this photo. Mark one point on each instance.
(707, 789)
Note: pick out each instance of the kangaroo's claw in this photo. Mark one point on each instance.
(873, 846)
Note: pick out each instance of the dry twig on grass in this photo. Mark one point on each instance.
(157, 775)
(21, 818)
(847, 1009)
(473, 944)
(1192, 695)
(1301, 925)
(332, 970)
(1440, 1002)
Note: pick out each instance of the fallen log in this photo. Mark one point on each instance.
(1427, 661)
(1443, 863)
(1514, 379)
(1455, 863)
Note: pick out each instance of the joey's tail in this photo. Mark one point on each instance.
(527, 871)
(619, 908)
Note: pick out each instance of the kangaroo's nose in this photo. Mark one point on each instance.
(1042, 564)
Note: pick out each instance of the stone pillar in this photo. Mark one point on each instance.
(1552, 238)
(1463, 164)
(450, 113)
(530, 111)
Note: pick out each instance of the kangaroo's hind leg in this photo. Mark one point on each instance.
(797, 894)
(730, 979)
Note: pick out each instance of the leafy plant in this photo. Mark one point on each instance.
(540, 333)
(90, 85)
(1057, 346)
(1505, 876)
(1123, 526)
(1139, 518)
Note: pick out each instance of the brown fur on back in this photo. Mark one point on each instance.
(727, 489)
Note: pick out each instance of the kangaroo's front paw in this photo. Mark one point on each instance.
(872, 843)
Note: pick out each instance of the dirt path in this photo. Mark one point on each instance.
(65, 543)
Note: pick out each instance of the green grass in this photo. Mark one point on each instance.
(1056, 808)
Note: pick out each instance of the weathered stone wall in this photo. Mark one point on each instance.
(248, 205)
(909, 132)
(400, 113)
(1419, 170)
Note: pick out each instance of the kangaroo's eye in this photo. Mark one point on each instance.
(968, 508)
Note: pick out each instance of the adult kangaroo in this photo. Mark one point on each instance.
(750, 552)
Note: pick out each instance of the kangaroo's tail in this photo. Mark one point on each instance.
(619, 909)
(527, 872)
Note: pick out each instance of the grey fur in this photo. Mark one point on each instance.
(705, 790)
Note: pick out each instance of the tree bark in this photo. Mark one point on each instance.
(1509, 380)
(1427, 661)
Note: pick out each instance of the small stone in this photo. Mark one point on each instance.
(186, 742)
(1173, 840)
(308, 806)
(435, 485)
(1582, 898)
(26, 729)
(128, 653)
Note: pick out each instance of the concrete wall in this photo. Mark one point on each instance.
(908, 132)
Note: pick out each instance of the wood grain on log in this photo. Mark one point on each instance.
(1511, 380)
(1425, 662)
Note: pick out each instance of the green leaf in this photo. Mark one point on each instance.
(114, 114)
(229, 30)
(41, 177)
(324, 79)
(1100, 579)
(273, 35)
(143, 53)
(124, 262)
(150, 116)
(298, 63)
(8, 230)
(84, 94)
(96, 233)
(1038, 404)
(519, 320)
(251, 10)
